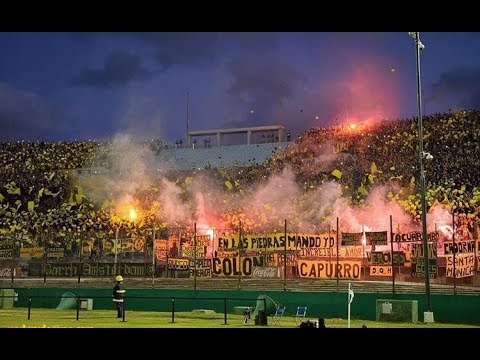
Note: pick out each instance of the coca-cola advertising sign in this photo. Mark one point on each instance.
(6, 272)
(264, 272)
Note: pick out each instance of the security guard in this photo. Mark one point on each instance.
(118, 295)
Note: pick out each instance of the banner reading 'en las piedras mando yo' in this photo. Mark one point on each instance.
(276, 242)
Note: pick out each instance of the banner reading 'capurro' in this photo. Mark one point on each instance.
(324, 269)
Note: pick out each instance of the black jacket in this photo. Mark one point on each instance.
(118, 292)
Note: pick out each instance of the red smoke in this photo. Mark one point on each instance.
(369, 93)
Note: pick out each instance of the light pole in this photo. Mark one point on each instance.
(418, 47)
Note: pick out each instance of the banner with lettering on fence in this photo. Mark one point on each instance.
(200, 267)
(161, 251)
(464, 263)
(462, 266)
(166, 248)
(6, 253)
(31, 252)
(178, 264)
(324, 269)
(380, 270)
(375, 238)
(127, 245)
(351, 239)
(276, 242)
(196, 247)
(384, 258)
(343, 252)
(139, 244)
(418, 262)
(88, 269)
(6, 245)
(56, 252)
(277, 259)
(371, 238)
(415, 236)
(459, 247)
(406, 249)
(236, 266)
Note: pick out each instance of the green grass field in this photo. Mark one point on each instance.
(51, 318)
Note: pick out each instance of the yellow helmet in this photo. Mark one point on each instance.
(119, 278)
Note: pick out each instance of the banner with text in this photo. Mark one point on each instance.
(56, 252)
(31, 252)
(380, 270)
(459, 247)
(201, 267)
(384, 258)
(201, 244)
(277, 259)
(324, 269)
(166, 248)
(415, 236)
(418, 263)
(343, 252)
(6, 245)
(375, 238)
(178, 264)
(236, 266)
(351, 239)
(88, 269)
(464, 265)
(276, 242)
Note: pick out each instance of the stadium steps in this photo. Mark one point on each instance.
(246, 284)
(217, 156)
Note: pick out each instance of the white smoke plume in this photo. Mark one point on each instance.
(261, 206)
(375, 214)
(127, 174)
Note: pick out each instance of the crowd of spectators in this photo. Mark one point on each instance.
(39, 193)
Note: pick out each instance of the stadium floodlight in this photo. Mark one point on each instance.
(428, 305)
(415, 36)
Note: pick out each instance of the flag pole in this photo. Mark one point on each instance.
(348, 300)
(350, 296)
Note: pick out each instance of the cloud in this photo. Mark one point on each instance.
(120, 68)
(366, 92)
(25, 115)
(281, 93)
(250, 41)
(185, 48)
(143, 116)
(262, 87)
(192, 49)
(462, 84)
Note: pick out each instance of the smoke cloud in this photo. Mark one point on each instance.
(261, 206)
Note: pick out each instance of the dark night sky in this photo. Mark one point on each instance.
(65, 86)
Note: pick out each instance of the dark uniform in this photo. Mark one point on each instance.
(118, 296)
